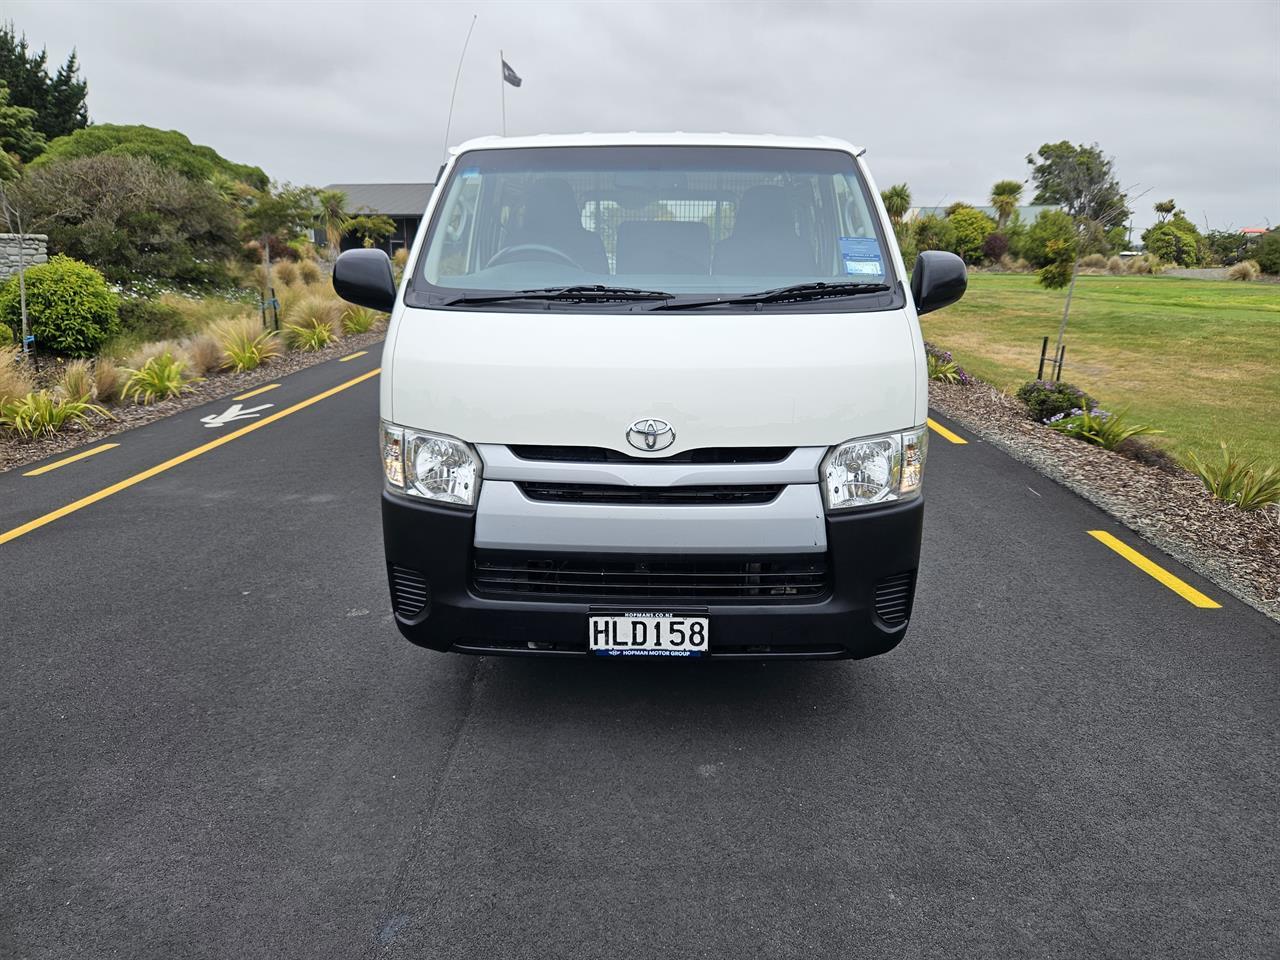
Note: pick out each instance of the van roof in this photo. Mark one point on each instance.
(634, 139)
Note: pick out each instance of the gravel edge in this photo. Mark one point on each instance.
(1237, 550)
(18, 453)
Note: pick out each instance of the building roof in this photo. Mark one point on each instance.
(1026, 214)
(389, 199)
(634, 139)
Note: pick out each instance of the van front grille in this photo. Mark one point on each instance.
(677, 578)
(893, 598)
(639, 496)
(605, 455)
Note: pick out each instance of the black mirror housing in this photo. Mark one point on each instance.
(364, 277)
(938, 280)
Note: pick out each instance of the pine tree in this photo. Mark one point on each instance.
(59, 101)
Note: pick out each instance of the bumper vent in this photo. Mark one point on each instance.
(690, 579)
(615, 494)
(409, 592)
(893, 598)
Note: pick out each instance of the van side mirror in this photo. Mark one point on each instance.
(364, 277)
(938, 280)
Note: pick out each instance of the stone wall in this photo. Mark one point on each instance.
(35, 251)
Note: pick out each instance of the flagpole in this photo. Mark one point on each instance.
(453, 96)
(502, 79)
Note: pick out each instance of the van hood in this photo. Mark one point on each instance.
(580, 379)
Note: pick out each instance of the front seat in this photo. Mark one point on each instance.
(552, 219)
(764, 240)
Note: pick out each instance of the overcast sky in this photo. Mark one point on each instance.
(946, 96)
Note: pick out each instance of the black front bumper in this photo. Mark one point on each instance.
(872, 557)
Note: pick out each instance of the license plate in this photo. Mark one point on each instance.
(648, 635)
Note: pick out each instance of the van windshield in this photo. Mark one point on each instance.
(705, 221)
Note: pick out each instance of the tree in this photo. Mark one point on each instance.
(131, 219)
(1079, 179)
(1175, 240)
(897, 201)
(1005, 197)
(167, 148)
(972, 227)
(20, 142)
(333, 218)
(59, 101)
(1164, 208)
(280, 211)
(372, 229)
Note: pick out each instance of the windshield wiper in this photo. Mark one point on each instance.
(583, 292)
(794, 292)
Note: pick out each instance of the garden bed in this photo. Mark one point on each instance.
(15, 452)
(1238, 550)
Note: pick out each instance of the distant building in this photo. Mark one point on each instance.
(404, 203)
(1026, 214)
(1254, 231)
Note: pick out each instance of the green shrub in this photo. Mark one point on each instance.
(312, 334)
(934, 233)
(1266, 251)
(151, 319)
(943, 366)
(944, 371)
(6, 335)
(41, 414)
(158, 379)
(1236, 480)
(1098, 427)
(1048, 398)
(359, 319)
(1173, 243)
(70, 308)
(972, 227)
(245, 345)
(1050, 226)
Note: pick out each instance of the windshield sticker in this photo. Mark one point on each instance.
(861, 256)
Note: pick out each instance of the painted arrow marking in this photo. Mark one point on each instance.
(234, 412)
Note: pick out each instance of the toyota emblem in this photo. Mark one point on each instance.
(651, 434)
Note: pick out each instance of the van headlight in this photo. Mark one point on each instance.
(873, 470)
(430, 466)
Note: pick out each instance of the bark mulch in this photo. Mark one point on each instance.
(1238, 550)
(15, 452)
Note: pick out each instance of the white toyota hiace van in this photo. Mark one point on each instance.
(653, 394)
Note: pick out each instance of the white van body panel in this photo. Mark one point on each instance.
(765, 379)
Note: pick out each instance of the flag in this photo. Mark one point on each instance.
(510, 75)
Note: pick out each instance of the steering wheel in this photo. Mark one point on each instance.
(529, 251)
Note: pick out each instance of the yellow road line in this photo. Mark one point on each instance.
(72, 459)
(1180, 587)
(352, 356)
(943, 432)
(180, 458)
(254, 393)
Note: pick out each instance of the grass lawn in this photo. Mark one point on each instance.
(1199, 359)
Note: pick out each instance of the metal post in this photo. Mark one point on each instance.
(1044, 350)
